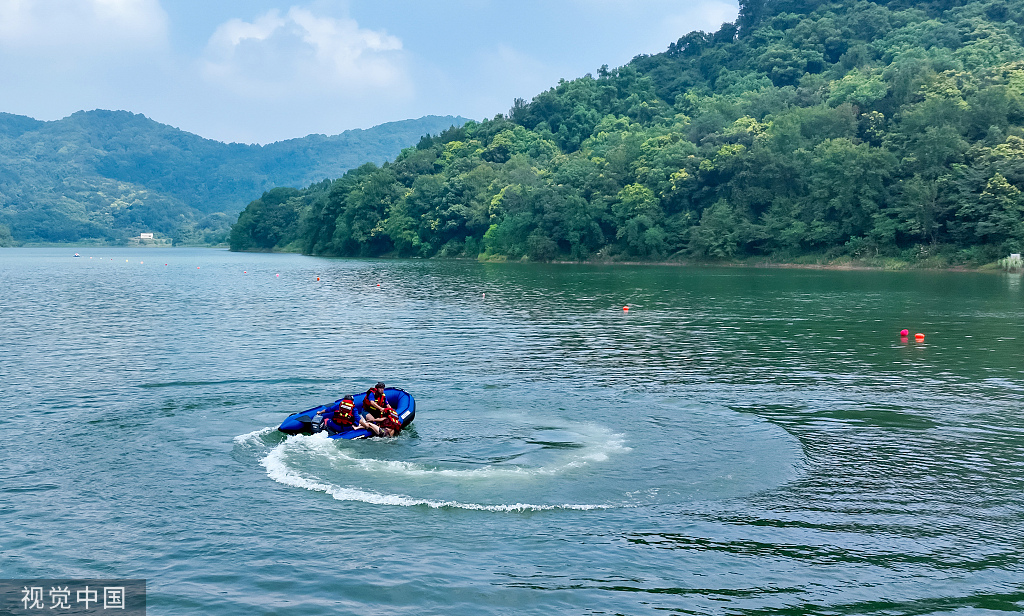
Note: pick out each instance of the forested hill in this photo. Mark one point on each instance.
(108, 175)
(825, 129)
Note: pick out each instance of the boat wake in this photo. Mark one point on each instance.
(301, 461)
(254, 438)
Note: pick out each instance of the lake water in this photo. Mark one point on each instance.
(740, 441)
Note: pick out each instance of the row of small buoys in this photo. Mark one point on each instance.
(906, 332)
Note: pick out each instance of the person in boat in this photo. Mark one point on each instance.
(390, 424)
(375, 403)
(345, 418)
(378, 411)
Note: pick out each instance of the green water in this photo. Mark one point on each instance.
(741, 441)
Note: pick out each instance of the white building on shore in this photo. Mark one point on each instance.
(148, 239)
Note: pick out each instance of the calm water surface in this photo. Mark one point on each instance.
(741, 441)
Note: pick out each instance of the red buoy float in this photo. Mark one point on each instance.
(918, 337)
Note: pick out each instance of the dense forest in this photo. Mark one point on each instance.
(805, 130)
(106, 175)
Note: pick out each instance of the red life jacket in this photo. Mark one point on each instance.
(345, 414)
(371, 394)
(392, 422)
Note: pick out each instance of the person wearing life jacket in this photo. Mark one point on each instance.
(343, 418)
(376, 408)
(390, 424)
(375, 403)
(346, 418)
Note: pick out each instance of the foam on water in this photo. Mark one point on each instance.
(278, 470)
(596, 444)
(253, 438)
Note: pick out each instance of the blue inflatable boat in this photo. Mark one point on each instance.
(310, 421)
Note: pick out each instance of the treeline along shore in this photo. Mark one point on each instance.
(804, 131)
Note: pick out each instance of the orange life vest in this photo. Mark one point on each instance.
(392, 422)
(345, 414)
(371, 394)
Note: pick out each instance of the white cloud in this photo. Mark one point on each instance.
(87, 27)
(280, 56)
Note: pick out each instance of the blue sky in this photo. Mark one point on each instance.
(258, 71)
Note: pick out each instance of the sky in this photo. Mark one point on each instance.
(258, 71)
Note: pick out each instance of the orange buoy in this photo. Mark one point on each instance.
(625, 308)
(919, 337)
(318, 279)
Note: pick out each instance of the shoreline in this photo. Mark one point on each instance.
(892, 265)
(902, 266)
(90, 245)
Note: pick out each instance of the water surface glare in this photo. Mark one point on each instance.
(740, 441)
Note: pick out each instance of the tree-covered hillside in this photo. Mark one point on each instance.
(108, 175)
(806, 128)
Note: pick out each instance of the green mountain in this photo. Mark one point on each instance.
(107, 175)
(807, 129)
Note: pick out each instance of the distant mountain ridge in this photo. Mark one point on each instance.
(107, 175)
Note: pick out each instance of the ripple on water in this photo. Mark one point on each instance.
(741, 441)
(521, 466)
